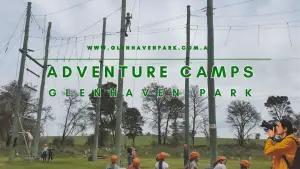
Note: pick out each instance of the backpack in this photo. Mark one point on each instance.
(296, 163)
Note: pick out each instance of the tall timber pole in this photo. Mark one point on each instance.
(98, 107)
(41, 99)
(211, 83)
(120, 84)
(15, 126)
(187, 87)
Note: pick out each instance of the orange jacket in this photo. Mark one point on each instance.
(286, 147)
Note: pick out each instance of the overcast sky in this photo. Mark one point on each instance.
(262, 36)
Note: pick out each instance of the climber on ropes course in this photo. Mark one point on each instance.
(128, 23)
(29, 137)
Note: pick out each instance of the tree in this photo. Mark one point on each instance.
(279, 107)
(167, 116)
(107, 122)
(176, 111)
(156, 105)
(296, 122)
(133, 122)
(203, 126)
(257, 136)
(76, 118)
(243, 117)
(199, 107)
(28, 109)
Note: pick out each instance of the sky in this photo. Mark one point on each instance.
(245, 30)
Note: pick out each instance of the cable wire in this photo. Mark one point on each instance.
(133, 6)
(249, 16)
(217, 28)
(58, 11)
(233, 4)
(137, 42)
(7, 44)
(95, 23)
(1, 59)
(39, 26)
(21, 32)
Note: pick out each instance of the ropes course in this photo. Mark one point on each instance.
(67, 42)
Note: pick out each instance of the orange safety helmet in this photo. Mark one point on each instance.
(194, 155)
(245, 163)
(114, 158)
(136, 162)
(221, 158)
(162, 156)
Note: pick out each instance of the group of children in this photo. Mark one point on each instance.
(162, 164)
(47, 152)
(134, 165)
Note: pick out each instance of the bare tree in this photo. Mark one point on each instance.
(156, 105)
(76, 119)
(203, 126)
(28, 109)
(167, 114)
(199, 117)
(243, 117)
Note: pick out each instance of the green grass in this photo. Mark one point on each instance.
(146, 163)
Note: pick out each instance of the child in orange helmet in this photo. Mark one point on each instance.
(135, 164)
(194, 158)
(44, 152)
(161, 164)
(220, 163)
(113, 164)
(245, 164)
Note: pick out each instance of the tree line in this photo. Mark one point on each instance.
(166, 114)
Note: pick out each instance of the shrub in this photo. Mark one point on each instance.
(69, 142)
(56, 141)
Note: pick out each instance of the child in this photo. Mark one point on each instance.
(133, 152)
(161, 164)
(128, 23)
(44, 153)
(244, 164)
(135, 164)
(113, 164)
(29, 138)
(129, 156)
(194, 158)
(50, 154)
(220, 163)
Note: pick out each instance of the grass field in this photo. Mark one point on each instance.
(146, 163)
(143, 144)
